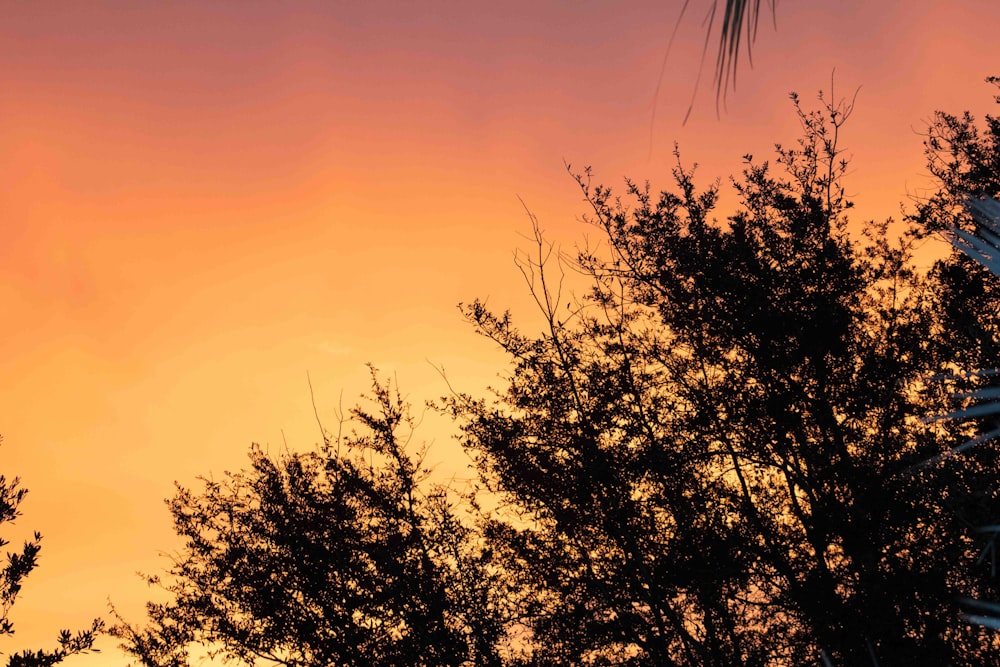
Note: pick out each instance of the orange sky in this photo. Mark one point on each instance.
(204, 201)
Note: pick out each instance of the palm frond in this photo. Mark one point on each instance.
(983, 245)
(739, 17)
(986, 614)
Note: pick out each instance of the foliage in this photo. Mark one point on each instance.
(333, 557)
(967, 162)
(738, 31)
(19, 566)
(962, 156)
(724, 453)
(715, 455)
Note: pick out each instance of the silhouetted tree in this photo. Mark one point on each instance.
(725, 453)
(335, 557)
(966, 160)
(718, 456)
(20, 565)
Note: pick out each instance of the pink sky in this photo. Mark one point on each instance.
(202, 202)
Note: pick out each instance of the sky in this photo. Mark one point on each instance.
(205, 206)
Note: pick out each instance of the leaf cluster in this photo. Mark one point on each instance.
(715, 458)
(337, 556)
(18, 566)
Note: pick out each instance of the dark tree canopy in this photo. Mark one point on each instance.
(334, 557)
(725, 453)
(19, 565)
(720, 448)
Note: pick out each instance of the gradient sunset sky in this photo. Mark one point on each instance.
(202, 202)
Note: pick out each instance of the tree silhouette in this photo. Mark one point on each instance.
(335, 557)
(716, 454)
(724, 453)
(966, 160)
(18, 567)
